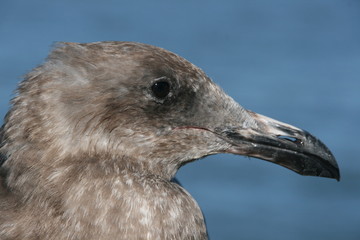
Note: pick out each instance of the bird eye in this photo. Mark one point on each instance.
(161, 89)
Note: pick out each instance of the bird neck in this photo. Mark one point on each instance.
(110, 197)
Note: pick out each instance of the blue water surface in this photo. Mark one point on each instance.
(297, 61)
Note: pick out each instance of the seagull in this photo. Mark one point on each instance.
(96, 134)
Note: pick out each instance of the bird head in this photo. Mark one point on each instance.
(146, 106)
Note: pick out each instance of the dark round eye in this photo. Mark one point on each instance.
(161, 89)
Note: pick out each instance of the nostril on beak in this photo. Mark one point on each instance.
(291, 139)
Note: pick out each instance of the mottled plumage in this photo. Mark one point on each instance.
(98, 131)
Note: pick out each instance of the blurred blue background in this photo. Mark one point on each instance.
(297, 61)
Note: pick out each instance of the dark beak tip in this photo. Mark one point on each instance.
(335, 175)
(331, 171)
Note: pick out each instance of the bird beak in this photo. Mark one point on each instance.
(282, 144)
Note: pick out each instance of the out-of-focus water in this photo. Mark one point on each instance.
(296, 61)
